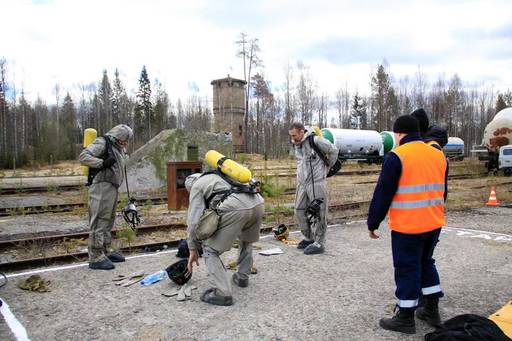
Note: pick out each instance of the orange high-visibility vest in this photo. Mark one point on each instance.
(418, 205)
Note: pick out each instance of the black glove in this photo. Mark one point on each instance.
(107, 163)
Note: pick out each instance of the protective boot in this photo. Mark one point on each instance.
(314, 249)
(211, 296)
(241, 282)
(430, 311)
(116, 257)
(402, 322)
(304, 243)
(104, 264)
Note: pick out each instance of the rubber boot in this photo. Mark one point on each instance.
(402, 322)
(430, 311)
(104, 264)
(304, 243)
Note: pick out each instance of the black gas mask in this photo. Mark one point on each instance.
(130, 214)
(313, 210)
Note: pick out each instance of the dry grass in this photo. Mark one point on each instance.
(60, 168)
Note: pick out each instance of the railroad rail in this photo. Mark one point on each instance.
(40, 189)
(75, 256)
(60, 208)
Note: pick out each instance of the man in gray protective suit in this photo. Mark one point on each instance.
(108, 160)
(311, 185)
(241, 215)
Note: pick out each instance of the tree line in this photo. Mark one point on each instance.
(38, 132)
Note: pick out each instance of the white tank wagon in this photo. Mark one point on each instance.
(497, 133)
(454, 149)
(356, 144)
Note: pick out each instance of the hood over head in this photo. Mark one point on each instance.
(190, 180)
(121, 132)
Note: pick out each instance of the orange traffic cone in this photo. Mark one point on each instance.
(492, 198)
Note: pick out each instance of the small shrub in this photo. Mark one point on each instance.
(126, 234)
(270, 187)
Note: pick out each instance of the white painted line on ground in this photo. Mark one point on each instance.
(461, 232)
(480, 231)
(74, 266)
(67, 267)
(464, 232)
(20, 333)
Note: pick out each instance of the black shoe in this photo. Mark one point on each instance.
(314, 249)
(402, 322)
(105, 264)
(211, 296)
(116, 257)
(430, 312)
(241, 282)
(304, 243)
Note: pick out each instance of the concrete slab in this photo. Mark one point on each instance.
(42, 181)
(340, 295)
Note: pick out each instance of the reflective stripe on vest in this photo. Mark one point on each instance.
(418, 205)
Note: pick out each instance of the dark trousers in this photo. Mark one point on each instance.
(415, 269)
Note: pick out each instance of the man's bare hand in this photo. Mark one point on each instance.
(373, 235)
(194, 257)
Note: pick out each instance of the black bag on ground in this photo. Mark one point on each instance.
(183, 250)
(467, 327)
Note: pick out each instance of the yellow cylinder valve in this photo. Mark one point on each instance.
(317, 131)
(228, 167)
(90, 135)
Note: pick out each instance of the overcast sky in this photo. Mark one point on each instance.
(188, 43)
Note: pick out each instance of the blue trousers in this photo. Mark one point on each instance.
(415, 269)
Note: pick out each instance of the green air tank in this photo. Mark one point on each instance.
(388, 140)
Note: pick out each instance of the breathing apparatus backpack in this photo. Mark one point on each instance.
(108, 152)
(236, 187)
(237, 176)
(337, 165)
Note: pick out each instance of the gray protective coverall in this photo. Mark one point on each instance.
(240, 216)
(312, 184)
(103, 191)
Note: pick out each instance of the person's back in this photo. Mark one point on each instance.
(411, 189)
(208, 184)
(241, 212)
(420, 189)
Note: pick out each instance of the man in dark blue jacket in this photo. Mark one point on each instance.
(412, 199)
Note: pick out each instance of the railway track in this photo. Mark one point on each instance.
(40, 189)
(7, 245)
(60, 208)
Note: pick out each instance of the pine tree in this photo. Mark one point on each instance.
(105, 103)
(380, 85)
(120, 102)
(161, 108)
(68, 129)
(500, 103)
(143, 111)
(359, 112)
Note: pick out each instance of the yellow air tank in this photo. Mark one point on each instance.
(317, 131)
(90, 135)
(227, 166)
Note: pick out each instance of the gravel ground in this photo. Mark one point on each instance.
(340, 295)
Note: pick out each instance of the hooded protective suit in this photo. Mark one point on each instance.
(311, 183)
(241, 215)
(103, 191)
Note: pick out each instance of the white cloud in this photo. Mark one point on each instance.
(180, 42)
